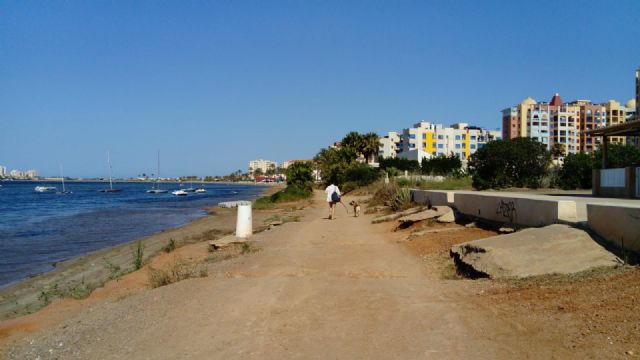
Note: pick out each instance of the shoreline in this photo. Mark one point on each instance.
(79, 276)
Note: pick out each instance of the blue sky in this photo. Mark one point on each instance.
(213, 84)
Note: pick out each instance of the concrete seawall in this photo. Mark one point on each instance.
(502, 207)
(619, 225)
(433, 197)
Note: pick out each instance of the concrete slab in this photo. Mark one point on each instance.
(619, 225)
(538, 251)
(521, 210)
(436, 211)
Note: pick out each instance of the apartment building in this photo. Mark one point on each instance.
(3, 171)
(435, 139)
(263, 165)
(557, 122)
(390, 145)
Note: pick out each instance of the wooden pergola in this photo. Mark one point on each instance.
(629, 128)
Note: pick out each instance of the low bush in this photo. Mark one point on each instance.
(449, 183)
(170, 246)
(290, 193)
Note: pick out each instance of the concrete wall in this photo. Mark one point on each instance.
(433, 197)
(515, 210)
(616, 224)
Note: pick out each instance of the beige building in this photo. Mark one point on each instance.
(616, 114)
(263, 165)
(390, 145)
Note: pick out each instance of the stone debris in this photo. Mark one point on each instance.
(391, 217)
(225, 241)
(432, 231)
(555, 248)
(506, 230)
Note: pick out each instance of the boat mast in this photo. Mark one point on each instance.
(109, 163)
(158, 172)
(62, 176)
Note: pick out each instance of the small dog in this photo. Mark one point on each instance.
(356, 208)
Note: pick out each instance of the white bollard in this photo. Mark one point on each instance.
(244, 222)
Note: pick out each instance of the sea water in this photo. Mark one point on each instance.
(39, 229)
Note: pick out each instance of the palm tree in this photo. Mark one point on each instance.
(370, 146)
(353, 142)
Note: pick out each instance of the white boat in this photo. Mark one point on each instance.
(179, 193)
(201, 189)
(64, 190)
(155, 189)
(43, 189)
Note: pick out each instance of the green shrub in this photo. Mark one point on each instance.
(519, 162)
(441, 165)
(619, 156)
(399, 164)
(576, 172)
(300, 176)
(138, 259)
(360, 175)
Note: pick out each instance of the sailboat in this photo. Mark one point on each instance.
(190, 188)
(201, 189)
(155, 189)
(110, 189)
(64, 190)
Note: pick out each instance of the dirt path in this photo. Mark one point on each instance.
(318, 289)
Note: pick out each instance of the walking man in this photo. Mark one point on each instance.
(333, 197)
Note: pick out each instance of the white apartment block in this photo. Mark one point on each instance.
(263, 165)
(459, 139)
(31, 174)
(3, 171)
(16, 174)
(390, 145)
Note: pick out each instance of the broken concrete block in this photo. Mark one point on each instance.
(448, 217)
(398, 215)
(537, 251)
(425, 215)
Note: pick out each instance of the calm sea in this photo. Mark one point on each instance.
(39, 229)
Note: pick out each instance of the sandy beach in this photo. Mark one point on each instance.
(344, 289)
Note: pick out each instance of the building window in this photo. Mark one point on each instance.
(412, 145)
(424, 144)
(433, 136)
(440, 137)
(457, 137)
(457, 146)
(424, 136)
(412, 136)
(473, 146)
(440, 146)
(473, 137)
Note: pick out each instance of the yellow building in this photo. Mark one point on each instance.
(616, 114)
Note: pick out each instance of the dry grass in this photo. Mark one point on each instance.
(176, 270)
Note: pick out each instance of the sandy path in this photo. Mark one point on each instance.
(318, 289)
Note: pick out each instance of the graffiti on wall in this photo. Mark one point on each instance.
(507, 209)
